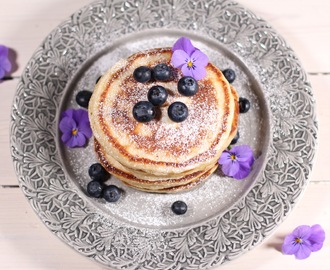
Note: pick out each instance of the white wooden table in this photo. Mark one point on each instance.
(25, 243)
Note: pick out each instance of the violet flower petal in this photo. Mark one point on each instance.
(77, 140)
(67, 124)
(80, 139)
(2, 73)
(3, 51)
(85, 128)
(303, 232)
(225, 158)
(243, 172)
(66, 136)
(184, 44)
(288, 246)
(80, 115)
(317, 237)
(303, 251)
(179, 58)
(199, 72)
(187, 71)
(199, 58)
(6, 65)
(230, 169)
(243, 153)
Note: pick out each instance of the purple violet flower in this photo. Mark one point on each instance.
(237, 162)
(303, 241)
(189, 59)
(5, 65)
(75, 127)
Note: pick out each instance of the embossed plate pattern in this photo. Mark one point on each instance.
(110, 29)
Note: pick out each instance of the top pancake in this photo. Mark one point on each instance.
(161, 146)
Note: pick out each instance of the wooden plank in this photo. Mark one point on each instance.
(25, 24)
(321, 90)
(7, 91)
(25, 243)
(304, 24)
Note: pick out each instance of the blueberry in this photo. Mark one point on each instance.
(229, 75)
(235, 139)
(244, 105)
(111, 193)
(157, 95)
(162, 72)
(94, 189)
(142, 74)
(177, 111)
(179, 207)
(187, 86)
(97, 172)
(83, 97)
(144, 111)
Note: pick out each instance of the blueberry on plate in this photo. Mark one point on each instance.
(144, 111)
(235, 139)
(157, 95)
(187, 86)
(179, 207)
(177, 111)
(244, 105)
(83, 97)
(97, 172)
(142, 74)
(94, 189)
(111, 193)
(229, 75)
(162, 72)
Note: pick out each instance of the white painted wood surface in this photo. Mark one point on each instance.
(25, 243)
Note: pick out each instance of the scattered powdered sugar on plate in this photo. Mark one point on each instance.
(218, 193)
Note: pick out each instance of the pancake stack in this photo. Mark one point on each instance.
(161, 155)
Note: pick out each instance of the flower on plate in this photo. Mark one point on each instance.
(75, 127)
(189, 59)
(5, 65)
(303, 241)
(237, 161)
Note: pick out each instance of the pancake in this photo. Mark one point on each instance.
(150, 181)
(161, 186)
(161, 155)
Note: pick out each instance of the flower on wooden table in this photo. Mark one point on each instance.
(189, 59)
(75, 127)
(303, 241)
(237, 162)
(5, 65)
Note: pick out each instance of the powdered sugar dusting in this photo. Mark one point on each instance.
(165, 135)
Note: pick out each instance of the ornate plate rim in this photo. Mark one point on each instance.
(221, 239)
